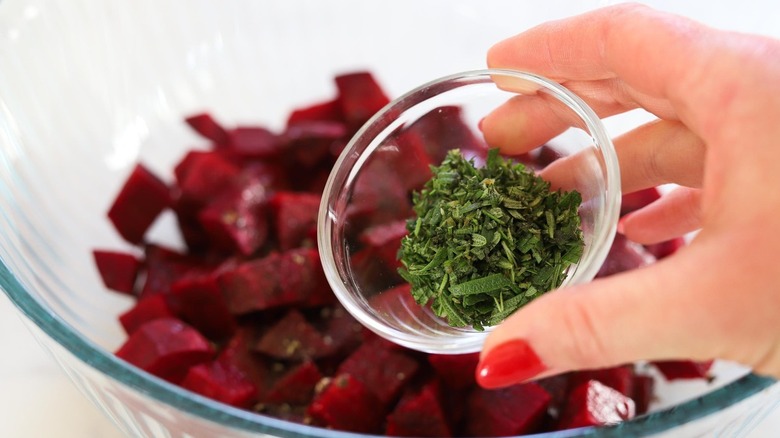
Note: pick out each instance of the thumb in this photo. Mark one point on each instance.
(640, 314)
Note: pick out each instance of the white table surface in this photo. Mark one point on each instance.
(31, 383)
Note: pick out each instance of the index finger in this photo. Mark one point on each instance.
(653, 53)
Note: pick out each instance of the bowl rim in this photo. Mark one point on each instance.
(117, 370)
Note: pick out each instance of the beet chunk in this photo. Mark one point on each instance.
(142, 198)
(296, 387)
(514, 410)
(643, 392)
(683, 369)
(620, 378)
(145, 310)
(236, 220)
(594, 404)
(295, 217)
(624, 255)
(455, 370)
(254, 285)
(666, 248)
(311, 142)
(206, 126)
(166, 347)
(346, 404)
(359, 97)
(163, 266)
(442, 128)
(238, 353)
(222, 382)
(385, 241)
(197, 299)
(200, 175)
(301, 276)
(419, 415)
(384, 372)
(254, 142)
(293, 338)
(636, 200)
(328, 111)
(117, 269)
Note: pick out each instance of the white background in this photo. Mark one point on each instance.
(37, 399)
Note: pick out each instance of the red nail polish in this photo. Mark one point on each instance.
(509, 363)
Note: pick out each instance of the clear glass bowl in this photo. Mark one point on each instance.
(389, 151)
(88, 87)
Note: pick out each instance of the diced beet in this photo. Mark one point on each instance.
(236, 220)
(379, 194)
(311, 141)
(399, 302)
(222, 382)
(255, 285)
(118, 270)
(636, 200)
(643, 392)
(514, 410)
(328, 111)
(359, 97)
(346, 404)
(295, 218)
(419, 415)
(201, 175)
(163, 266)
(546, 155)
(166, 347)
(197, 299)
(624, 255)
(293, 338)
(558, 388)
(594, 404)
(142, 198)
(254, 142)
(409, 161)
(683, 369)
(301, 275)
(385, 240)
(145, 310)
(239, 353)
(340, 330)
(206, 126)
(620, 378)
(455, 370)
(382, 370)
(443, 129)
(666, 248)
(296, 387)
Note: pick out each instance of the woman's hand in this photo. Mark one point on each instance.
(717, 98)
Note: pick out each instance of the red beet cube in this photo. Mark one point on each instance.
(117, 269)
(320, 112)
(163, 266)
(197, 299)
(311, 142)
(558, 388)
(341, 331)
(295, 218)
(166, 347)
(455, 370)
(594, 404)
(145, 310)
(683, 369)
(419, 415)
(515, 410)
(301, 274)
(636, 200)
(442, 129)
(643, 392)
(620, 378)
(206, 126)
(235, 220)
(296, 387)
(255, 285)
(254, 142)
(201, 175)
(239, 353)
(346, 404)
(386, 380)
(664, 249)
(359, 97)
(293, 338)
(385, 240)
(142, 198)
(222, 382)
(624, 255)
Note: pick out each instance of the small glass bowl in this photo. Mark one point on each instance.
(388, 158)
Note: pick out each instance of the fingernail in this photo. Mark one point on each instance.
(509, 363)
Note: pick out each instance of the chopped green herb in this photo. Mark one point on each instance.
(486, 241)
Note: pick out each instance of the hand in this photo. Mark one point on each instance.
(717, 98)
